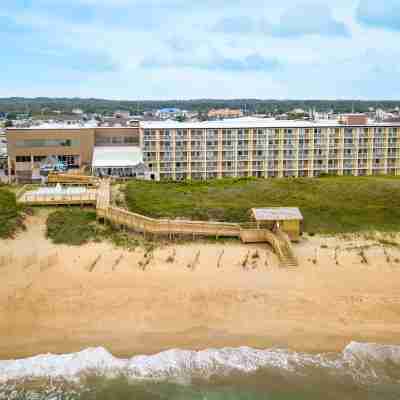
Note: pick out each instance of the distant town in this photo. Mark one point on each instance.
(21, 112)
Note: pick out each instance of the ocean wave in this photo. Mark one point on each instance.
(362, 361)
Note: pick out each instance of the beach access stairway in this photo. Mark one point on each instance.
(278, 240)
(248, 233)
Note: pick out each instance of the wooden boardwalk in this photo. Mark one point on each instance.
(32, 199)
(248, 233)
(101, 198)
(103, 195)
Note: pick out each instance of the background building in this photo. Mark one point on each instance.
(222, 113)
(246, 147)
(29, 148)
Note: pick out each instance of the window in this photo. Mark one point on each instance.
(116, 140)
(48, 143)
(103, 140)
(23, 158)
(131, 140)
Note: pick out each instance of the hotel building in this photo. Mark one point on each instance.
(269, 149)
(247, 147)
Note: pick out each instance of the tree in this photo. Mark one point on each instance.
(8, 123)
(11, 116)
(181, 118)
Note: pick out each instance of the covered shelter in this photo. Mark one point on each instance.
(120, 161)
(287, 219)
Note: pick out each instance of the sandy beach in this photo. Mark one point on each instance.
(62, 299)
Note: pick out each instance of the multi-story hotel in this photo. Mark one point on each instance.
(261, 148)
(269, 149)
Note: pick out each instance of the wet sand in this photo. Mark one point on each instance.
(62, 299)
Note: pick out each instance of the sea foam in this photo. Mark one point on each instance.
(362, 358)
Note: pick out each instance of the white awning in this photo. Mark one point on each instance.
(117, 157)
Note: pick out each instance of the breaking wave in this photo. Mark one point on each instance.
(363, 362)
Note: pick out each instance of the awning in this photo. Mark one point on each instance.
(117, 157)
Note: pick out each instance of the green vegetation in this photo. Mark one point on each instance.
(72, 226)
(43, 106)
(10, 214)
(75, 226)
(329, 205)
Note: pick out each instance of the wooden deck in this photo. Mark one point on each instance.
(103, 195)
(31, 199)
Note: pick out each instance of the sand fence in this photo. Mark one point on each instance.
(29, 261)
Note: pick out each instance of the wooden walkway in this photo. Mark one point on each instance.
(248, 233)
(33, 199)
(101, 198)
(103, 195)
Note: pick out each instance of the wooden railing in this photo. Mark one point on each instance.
(72, 179)
(89, 197)
(165, 226)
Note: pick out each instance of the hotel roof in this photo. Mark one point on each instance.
(254, 123)
(237, 123)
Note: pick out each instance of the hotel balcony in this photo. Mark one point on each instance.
(181, 157)
(150, 148)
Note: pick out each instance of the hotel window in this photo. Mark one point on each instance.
(103, 140)
(23, 158)
(116, 140)
(131, 140)
(48, 143)
(39, 158)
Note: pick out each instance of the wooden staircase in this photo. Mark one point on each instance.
(278, 240)
(287, 257)
(288, 261)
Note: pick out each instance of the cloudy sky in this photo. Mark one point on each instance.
(164, 49)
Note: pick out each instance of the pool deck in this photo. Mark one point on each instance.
(36, 199)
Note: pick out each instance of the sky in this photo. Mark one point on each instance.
(187, 49)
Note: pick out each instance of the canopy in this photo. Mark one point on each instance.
(117, 156)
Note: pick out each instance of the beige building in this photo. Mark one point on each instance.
(29, 148)
(208, 150)
(222, 113)
(267, 149)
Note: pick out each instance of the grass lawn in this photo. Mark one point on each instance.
(10, 214)
(329, 205)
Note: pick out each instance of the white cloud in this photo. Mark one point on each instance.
(296, 62)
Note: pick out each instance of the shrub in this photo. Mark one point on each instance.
(72, 226)
(10, 214)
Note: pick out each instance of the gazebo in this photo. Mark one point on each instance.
(287, 219)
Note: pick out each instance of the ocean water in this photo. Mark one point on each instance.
(361, 371)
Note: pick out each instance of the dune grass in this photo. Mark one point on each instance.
(76, 226)
(10, 214)
(72, 226)
(329, 205)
